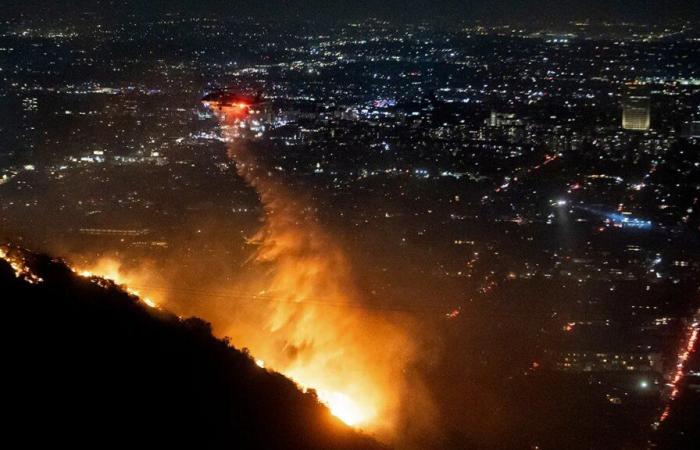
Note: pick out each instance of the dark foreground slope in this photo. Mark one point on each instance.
(87, 366)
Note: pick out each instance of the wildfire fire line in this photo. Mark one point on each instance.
(340, 405)
(17, 263)
(330, 368)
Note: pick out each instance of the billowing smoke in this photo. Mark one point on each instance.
(310, 323)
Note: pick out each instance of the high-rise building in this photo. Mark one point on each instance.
(499, 119)
(505, 126)
(636, 109)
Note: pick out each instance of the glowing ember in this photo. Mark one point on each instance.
(19, 266)
(454, 313)
(150, 303)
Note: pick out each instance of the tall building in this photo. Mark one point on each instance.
(636, 109)
(508, 126)
(499, 119)
(691, 129)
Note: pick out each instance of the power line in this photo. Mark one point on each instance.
(317, 301)
(255, 298)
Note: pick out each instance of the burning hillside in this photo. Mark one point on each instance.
(90, 365)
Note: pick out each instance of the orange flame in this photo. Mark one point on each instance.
(18, 265)
(110, 269)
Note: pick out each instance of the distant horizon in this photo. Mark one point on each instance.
(498, 12)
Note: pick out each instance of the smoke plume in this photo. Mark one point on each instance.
(310, 323)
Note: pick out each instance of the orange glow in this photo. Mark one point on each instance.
(353, 358)
(340, 404)
(110, 269)
(350, 396)
(348, 390)
(150, 303)
(344, 408)
(233, 112)
(18, 265)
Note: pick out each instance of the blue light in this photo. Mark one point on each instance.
(629, 222)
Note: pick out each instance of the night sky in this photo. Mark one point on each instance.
(492, 11)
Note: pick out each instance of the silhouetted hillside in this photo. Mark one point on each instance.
(87, 366)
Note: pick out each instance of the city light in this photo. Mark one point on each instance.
(435, 227)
